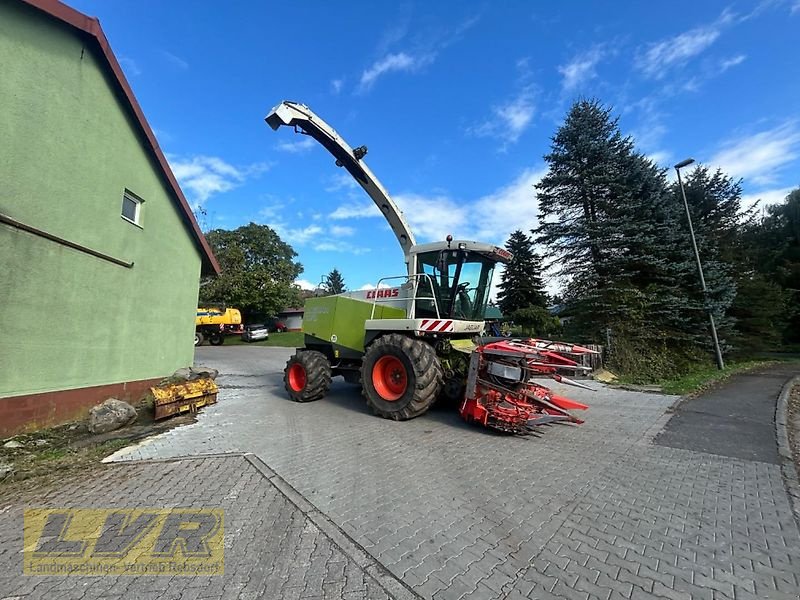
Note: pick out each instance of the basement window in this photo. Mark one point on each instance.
(132, 208)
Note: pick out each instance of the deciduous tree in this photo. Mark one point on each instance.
(258, 270)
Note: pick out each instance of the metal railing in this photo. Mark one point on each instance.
(413, 299)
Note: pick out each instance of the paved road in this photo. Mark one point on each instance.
(737, 420)
(272, 548)
(596, 511)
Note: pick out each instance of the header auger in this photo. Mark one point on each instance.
(418, 340)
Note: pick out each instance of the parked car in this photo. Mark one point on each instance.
(255, 333)
(275, 324)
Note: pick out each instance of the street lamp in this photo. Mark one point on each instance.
(717, 351)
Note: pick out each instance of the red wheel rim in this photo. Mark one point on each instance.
(297, 377)
(389, 378)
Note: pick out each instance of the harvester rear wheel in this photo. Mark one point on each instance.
(198, 338)
(216, 339)
(307, 376)
(401, 377)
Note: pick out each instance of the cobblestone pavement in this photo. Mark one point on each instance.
(595, 511)
(272, 548)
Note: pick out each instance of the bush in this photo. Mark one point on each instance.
(645, 357)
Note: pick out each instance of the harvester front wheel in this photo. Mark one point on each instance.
(198, 338)
(401, 377)
(307, 376)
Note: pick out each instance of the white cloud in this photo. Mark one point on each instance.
(767, 197)
(305, 284)
(175, 60)
(432, 217)
(162, 135)
(298, 236)
(400, 61)
(581, 68)
(341, 181)
(509, 119)
(205, 176)
(661, 157)
(731, 62)
(129, 66)
(356, 211)
(678, 50)
(336, 86)
(338, 246)
(302, 145)
(420, 52)
(512, 207)
(759, 157)
(490, 218)
(795, 8)
(341, 230)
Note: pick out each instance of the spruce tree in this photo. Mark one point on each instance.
(576, 196)
(611, 227)
(521, 285)
(714, 201)
(334, 282)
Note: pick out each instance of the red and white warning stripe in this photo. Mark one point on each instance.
(436, 325)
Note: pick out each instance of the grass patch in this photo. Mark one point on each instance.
(707, 376)
(48, 454)
(286, 339)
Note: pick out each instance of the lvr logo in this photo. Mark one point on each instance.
(124, 541)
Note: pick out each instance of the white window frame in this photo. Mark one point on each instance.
(129, 195)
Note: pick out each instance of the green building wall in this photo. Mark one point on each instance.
(68, 150)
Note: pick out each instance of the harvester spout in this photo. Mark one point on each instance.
(304, 120)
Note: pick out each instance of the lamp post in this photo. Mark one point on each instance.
(717, 351)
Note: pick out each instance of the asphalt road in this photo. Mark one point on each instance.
(735, 420)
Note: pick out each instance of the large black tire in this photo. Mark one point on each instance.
(401, 377)
(198, 338)
(216, 339)
(307, 376)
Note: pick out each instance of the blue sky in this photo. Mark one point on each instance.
(457, 102)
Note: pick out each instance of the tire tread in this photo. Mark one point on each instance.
(427, 374)
(318, 375)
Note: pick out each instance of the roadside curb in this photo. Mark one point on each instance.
(788, 470)
(390, 584)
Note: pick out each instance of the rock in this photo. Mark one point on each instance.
(110, 415)
(192, 373)
(6, 469)
(13, 444)
(41, 443)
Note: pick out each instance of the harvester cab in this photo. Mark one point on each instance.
(455, 277)
(416, 337)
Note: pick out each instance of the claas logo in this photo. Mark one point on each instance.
(383, 293)
(174, 541)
